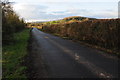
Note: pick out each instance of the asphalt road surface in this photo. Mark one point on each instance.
(68, 59)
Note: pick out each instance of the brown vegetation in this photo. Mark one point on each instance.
(100, 32)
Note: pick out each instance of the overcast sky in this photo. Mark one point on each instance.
(44, 10)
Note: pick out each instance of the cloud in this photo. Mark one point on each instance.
(48, 11)
(58, 12)
(29, 11)
(105, 14)
(38, 12)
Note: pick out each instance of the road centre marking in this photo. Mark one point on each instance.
(46, 37)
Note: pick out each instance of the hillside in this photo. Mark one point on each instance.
(61, 21)
(70, 19)
(79, 18)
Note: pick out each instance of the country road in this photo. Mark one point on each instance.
(68, 59)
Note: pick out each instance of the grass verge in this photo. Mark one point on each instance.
(13, 56)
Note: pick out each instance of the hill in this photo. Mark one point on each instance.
(69, 19)
(79, 18)
(60, 21)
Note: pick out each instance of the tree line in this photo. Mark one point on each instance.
(11, 23)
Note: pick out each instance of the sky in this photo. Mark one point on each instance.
(46, 10)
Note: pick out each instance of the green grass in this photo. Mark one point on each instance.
(13, 56)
